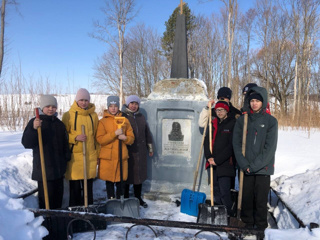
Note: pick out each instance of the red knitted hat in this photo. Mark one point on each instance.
(222, 104)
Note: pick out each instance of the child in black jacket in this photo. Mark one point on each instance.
(222, 157)
(55, 149)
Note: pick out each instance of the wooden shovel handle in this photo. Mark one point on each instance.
(43, 166)
(244, 139)
(85, 180)
(199, 158)
(210, 147)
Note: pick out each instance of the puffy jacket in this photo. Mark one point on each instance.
(55, 147)
(109, 168)
(73, 120)
(222, 151)
(261, 139)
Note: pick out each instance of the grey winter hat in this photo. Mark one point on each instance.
(47, 100)
(132, 98)
(113, 100)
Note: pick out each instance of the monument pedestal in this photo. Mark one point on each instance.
(172, 111)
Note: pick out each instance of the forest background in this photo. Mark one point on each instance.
(274, 43)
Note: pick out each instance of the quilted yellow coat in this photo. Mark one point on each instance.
(109, 169)
(73, 119)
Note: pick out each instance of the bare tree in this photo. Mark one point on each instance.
(144, 63)
(281, 57)
(263, 31)
(246, 26)
(118, 13)
(310, 19)
(232, 8)
(3, 12)
(2, 30)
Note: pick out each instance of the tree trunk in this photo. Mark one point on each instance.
(3, 12)
(295, 90)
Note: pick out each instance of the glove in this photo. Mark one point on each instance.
(118, 131)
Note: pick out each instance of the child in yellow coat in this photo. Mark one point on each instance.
(82, 112)
(108, 136)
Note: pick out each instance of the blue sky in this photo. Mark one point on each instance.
(51, 37)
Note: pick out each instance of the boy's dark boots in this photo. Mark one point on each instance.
(137, 193)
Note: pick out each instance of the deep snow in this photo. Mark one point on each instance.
(296, 179)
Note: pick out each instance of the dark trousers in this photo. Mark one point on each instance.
(255, 199)
(221, 187)
(55, 193)
(137, 188)
(110, 189)
(76, 188)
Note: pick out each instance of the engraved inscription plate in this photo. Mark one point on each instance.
(176, 137)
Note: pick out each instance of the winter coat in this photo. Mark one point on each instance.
(138, 151)
(55, 147)
(73, 120)
(203, 117)
(109, 169)
(222, 150)
(261, 140)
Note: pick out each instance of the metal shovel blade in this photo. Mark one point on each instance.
(235, 222)
(216, 215)
(122, 207)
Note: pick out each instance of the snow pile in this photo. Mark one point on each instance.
(296, 190)
(180, 89)
(16, 222)
(297, 152)
(294, 234)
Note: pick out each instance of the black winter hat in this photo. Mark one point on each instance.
(248, 86)
(255, 95)
(224, 92)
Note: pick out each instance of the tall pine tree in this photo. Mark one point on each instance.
(167, 40)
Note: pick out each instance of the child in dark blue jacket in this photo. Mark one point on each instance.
(55, 149)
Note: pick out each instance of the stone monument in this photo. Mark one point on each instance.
(172, 111)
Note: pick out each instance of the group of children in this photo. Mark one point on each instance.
(63, 149)
(64, 153)
(226, 154)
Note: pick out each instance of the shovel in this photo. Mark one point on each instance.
(122, 207)
(216, 215)
(190, 199)
(82, 226)
(236, 222)
(43, 166)
(85, 180)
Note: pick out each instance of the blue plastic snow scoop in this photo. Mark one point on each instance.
(190, 199)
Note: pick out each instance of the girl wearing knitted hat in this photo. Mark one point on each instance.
(221, 157)
(82, 112)
(108, 136)
(138, 151)
(55, 150)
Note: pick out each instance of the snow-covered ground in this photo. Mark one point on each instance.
(296, 179)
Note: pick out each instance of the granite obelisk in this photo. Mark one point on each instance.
(179, 66)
